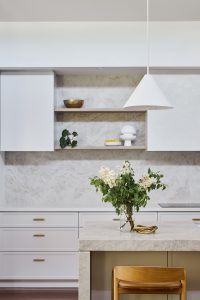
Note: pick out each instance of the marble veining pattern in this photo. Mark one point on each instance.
(170, 236)
(61, 178)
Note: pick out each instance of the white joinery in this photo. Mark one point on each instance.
(39, 249)
(27, 105)
(176, 129)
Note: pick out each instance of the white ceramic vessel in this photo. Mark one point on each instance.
(128, 135)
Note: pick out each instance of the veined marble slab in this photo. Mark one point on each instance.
(106, 236)
(149, 208)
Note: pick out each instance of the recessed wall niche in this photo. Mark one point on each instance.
(99, 92)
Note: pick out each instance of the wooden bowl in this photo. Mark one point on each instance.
(73, 103)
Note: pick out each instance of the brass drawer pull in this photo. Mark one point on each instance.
(39, 219)
(38, 259)
(116, 219)
(196, 219)
(38, 235)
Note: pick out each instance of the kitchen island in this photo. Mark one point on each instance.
(102, 246)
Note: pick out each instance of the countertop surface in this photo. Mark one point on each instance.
(106, 236)
(149, 208)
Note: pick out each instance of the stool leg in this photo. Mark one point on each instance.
(112, 287)
(183, 291)
(115, 290)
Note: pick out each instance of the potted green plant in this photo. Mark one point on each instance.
(125, 193)
(68, 139)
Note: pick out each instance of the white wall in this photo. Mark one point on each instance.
(88, 44)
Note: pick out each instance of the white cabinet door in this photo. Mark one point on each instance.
(27, 105)
(176, 129)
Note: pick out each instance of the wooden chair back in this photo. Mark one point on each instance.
(149, 274)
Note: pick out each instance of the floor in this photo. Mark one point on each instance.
(38, 294)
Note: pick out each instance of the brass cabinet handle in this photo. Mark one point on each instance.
(38, 259)
(38, 219)
(38, 235)
(116, 219)
(196, 219)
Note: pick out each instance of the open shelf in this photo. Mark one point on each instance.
(102, 148)
(96, 110)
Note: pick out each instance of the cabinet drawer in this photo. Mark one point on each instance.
(177, 216)
(39, 219)
(140, 217)
(37, 266)
(92, 217)
(22, 239)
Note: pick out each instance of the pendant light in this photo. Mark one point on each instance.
(147, 95)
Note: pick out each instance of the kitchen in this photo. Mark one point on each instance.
(47, 202)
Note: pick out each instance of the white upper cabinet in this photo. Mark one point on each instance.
(27, 105)
(176, 129)
(98, 44)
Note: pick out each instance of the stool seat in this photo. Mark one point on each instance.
(149, 285)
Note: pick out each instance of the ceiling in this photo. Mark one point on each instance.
(101, 10)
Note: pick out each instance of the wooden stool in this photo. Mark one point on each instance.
(148, 280)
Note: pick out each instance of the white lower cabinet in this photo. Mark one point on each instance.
(40, 239)
(95, 217)
(140, 217)
(38, 219)
(177, 216)
(39, 266)
(38, 249)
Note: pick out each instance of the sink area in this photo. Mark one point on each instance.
(179, 205)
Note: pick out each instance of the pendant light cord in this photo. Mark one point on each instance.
(147, 37)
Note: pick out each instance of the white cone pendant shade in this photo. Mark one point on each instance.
(147, 95)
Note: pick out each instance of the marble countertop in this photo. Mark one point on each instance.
(149, 208)
(106, 236)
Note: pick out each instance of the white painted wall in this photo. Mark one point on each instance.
(93, 44)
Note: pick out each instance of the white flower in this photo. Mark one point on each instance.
(146, 181)
(108, 176)
(126, 169)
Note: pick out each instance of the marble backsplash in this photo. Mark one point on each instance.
(61, 178)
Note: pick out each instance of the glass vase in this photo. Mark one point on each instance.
(127, 219)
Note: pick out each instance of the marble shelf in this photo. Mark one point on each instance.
(96, 110)
(102, 148)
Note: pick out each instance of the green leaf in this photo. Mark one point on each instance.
(74, 133)
(65, 133)
(73, 144)
(62, 142)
